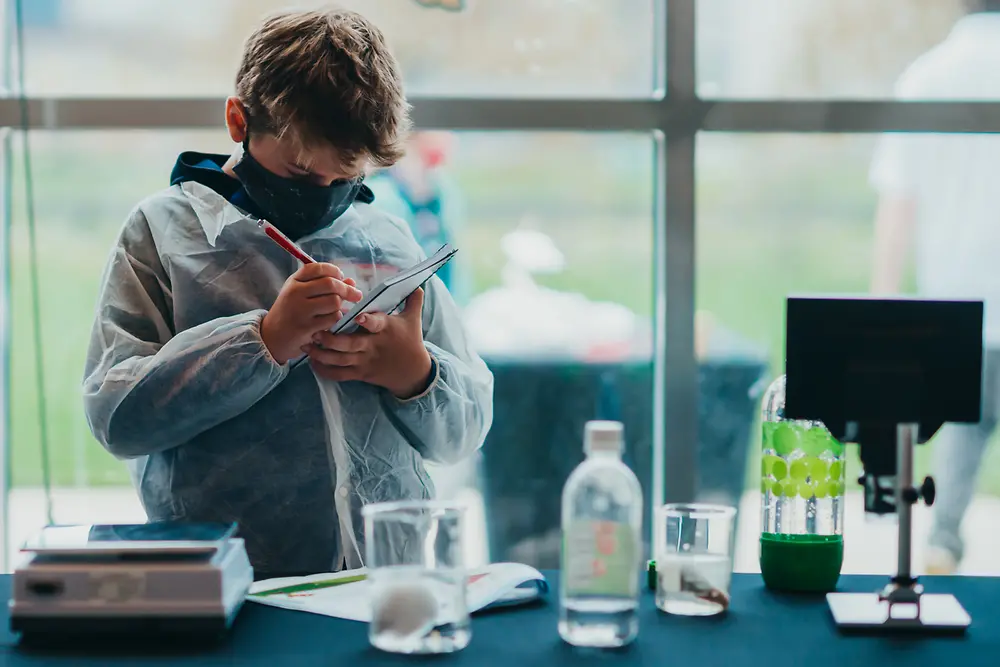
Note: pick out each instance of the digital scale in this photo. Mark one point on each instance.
(147, 579)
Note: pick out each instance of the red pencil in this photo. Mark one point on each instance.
(285, 242)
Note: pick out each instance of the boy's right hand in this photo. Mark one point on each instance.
(310, 301)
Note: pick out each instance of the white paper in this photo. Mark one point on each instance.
(492, 585)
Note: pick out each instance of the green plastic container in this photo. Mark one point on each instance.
(801, 563)
(802, 501)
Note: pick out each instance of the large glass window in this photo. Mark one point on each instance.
(560, 232)
(850, 49)
(782, 214)
(584, 48)
(544, 221)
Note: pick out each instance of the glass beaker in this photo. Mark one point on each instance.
(802, 500)
(416, 572)
(694, 546)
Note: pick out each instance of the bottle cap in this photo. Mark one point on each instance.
(604, 436)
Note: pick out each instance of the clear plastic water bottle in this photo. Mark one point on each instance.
(802, 500)
(602, 544)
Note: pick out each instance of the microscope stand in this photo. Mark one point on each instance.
(902, 606)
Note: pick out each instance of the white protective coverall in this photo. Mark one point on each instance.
(179, 384)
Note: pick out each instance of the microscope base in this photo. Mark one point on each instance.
(870, 613)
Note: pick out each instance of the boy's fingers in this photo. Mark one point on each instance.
(326, 285)
(318, 287)
(373, 322)
(341, 343)
(326, 321)
(325, 306)
(333, 357)
(348, 293)
(318, 270)
(414, 305)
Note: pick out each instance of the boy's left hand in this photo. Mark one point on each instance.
(389, 353)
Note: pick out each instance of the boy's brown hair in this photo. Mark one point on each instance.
(325, 77)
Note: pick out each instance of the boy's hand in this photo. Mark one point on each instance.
(310, 301)
(390, 353)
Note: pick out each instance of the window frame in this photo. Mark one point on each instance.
(6, 218)
(673, 114)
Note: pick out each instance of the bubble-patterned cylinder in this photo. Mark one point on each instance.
(802, 500)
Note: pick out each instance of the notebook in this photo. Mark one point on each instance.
(391, 293)
(347, 595)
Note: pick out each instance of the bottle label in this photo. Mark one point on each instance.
(600, 558)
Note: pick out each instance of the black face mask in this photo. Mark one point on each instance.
(297, 208)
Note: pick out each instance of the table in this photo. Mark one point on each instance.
(761, 629)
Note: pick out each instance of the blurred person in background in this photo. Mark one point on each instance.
(939, 196)
(419, 190)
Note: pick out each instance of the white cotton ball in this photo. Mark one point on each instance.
(405, 610)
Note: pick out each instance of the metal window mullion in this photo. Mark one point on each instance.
(676, 369)
(6, 166)
(674, 115)
(6, 206)
(849, 116)
(675, 437)
(53, 113)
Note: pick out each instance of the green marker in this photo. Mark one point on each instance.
(310, 586)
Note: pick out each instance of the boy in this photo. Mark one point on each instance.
(192, 374)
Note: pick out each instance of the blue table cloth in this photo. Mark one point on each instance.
(761, 629)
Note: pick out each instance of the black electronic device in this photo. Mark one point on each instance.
(886, 374)
(862, 366)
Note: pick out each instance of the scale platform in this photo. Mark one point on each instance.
(939, 614)
(146, 591)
